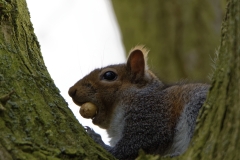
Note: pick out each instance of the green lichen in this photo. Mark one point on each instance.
(5, 9)
(4, 99)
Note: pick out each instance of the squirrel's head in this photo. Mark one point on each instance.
(105, 87)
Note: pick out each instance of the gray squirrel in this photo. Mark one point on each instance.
(138, 110)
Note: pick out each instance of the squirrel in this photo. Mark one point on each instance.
(139, 111)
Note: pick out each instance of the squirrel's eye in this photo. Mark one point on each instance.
(109, 75)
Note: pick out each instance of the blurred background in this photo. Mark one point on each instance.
(78, 36)
(182, 35)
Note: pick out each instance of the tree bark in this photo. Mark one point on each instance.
(35, 121)
(217, 133)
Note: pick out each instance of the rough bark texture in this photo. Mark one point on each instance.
(181, 35)
(217, 133)
(35, 121)
(219, 129)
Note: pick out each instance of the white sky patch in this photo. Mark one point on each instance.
(76, 37)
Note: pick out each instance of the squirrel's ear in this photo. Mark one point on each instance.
(136, 62)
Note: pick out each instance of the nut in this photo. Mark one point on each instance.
(88, 110)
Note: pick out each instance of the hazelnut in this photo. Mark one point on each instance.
(88, 110)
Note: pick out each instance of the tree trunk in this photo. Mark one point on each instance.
(181, 35)
(217, 133)
(35, 121)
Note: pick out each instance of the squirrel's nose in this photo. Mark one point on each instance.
(72, 91)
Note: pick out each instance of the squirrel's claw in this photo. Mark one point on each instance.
(87, 128)
(96, 137)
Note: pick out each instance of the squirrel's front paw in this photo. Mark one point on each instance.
(96, 137)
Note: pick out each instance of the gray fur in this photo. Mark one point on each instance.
(143, 124)
(186, 123)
